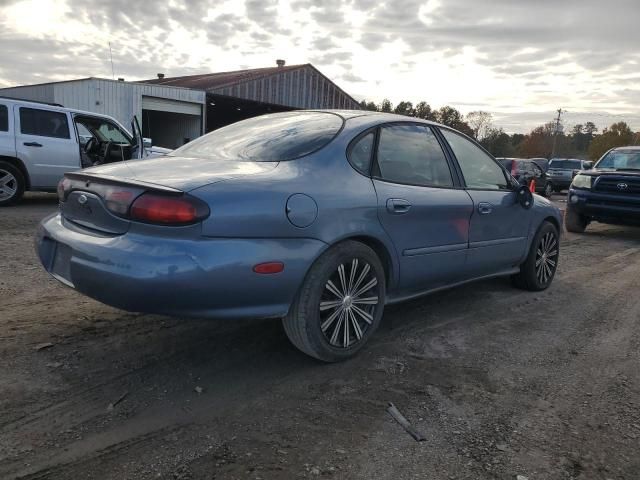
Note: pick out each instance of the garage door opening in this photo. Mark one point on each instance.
(223, 110)
(169, 123)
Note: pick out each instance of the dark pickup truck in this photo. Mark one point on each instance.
(608, 193)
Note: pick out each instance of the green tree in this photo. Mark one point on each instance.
(618, 135)
(405, 108)
(451, 117)
(423, 110)
(498, 143)
(368, 106)
(386, 106)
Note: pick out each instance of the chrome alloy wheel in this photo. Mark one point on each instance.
(348, 303)
(546, 257)
(8, 185)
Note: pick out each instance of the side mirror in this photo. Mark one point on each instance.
(147, 143)
(587, 165)
(524, 197)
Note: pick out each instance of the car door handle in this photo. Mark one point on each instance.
(32, 144)
(398, 206)
(485, 208)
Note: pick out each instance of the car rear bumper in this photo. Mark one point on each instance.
(204, 277)
(605, 207)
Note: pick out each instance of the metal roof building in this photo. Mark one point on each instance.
(173, 111)
(235, 95)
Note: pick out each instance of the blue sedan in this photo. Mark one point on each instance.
(318, 217)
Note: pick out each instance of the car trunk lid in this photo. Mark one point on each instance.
(181, 173)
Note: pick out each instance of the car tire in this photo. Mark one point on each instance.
(548, 190)
(334, 313)
(575, 222)
(538, 270)
(12, 184)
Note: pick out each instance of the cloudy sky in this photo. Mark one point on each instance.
(520, 60)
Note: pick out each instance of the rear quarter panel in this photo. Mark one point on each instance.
(256, 206)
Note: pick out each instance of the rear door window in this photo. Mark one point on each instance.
(43, 123)
(411, 154)
(4, 118)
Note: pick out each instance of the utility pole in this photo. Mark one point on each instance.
(555, 134)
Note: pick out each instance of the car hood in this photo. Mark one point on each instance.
(182, 173)
(595, 172)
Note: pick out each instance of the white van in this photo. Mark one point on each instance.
(39, 142)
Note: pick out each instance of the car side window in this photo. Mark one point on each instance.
(537, 172)
(360, 153)
(43, 123)
(478, 168)
(4, 118)
(411, 154)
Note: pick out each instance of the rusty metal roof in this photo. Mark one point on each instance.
(212, 81)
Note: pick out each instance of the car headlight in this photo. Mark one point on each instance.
(582, 181)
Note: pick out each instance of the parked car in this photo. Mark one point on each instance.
(608, 193)
(39, 142)
(524, 171)
(543, 163)
(319, 217)
(562, 171)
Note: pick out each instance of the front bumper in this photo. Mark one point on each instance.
(605, 207)
(201, 277)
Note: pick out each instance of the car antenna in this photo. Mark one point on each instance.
(113, 76)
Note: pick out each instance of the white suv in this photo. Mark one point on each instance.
(39, 142)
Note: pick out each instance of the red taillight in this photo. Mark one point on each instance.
(168, 210)
(514, 169)
(269, 267)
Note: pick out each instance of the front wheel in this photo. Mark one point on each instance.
(574, 222)
(538, 270)
(548, 190)
(340, 303)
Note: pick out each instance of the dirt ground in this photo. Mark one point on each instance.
(500, 381)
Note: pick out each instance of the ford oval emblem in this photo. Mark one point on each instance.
(82, 199)
(622, 186)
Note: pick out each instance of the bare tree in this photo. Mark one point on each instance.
(480, 123)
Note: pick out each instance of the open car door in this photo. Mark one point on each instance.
(137, 149)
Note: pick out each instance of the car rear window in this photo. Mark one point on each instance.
(568, 164)
(268, 138)
(4, 119)
(43, 123)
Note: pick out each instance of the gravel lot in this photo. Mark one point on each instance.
(500, 381)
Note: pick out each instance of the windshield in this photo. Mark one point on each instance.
(568, 164)
(268, 138)
(623, 160)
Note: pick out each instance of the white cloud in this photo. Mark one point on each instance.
(519, 60)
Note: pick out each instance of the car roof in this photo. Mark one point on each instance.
(629, 148)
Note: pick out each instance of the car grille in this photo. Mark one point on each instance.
(630, 186)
